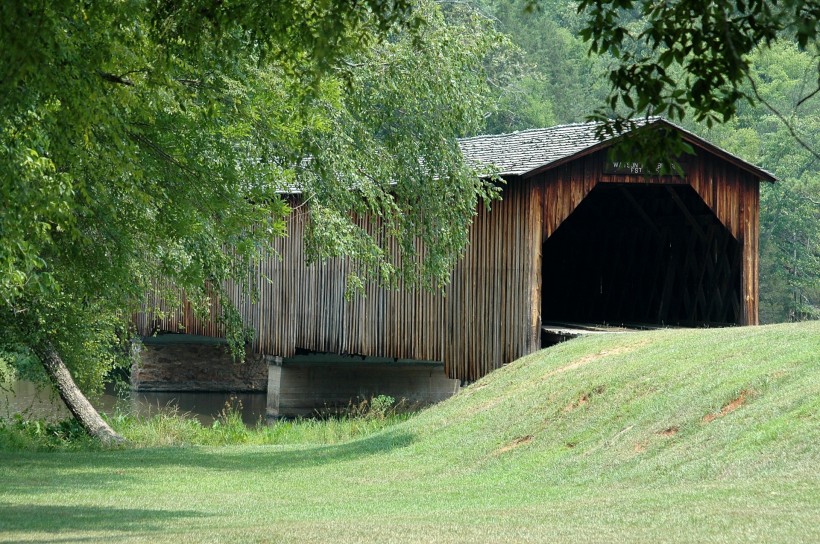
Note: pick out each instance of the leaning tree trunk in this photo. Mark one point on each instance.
(77, 404)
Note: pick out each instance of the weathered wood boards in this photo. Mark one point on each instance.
(491, 312)
(487, 316)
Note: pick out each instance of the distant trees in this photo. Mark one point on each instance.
(557, 81)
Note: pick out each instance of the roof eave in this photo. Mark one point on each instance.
(696, 140)
(559, 162)
(687, 136)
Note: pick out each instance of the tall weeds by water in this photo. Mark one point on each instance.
(168, 426)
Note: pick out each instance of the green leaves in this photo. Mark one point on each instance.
(706, 45)
(150, 141)
(389, 150)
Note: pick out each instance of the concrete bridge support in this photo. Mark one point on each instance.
(306, 385)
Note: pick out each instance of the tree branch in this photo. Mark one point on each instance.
(782, 118)
(113, 78)
(807, 97)
(158, 151)
(762, 100)
(189, 82)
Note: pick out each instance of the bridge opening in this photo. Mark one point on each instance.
(642, 254)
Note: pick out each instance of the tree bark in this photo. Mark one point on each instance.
(75, 401)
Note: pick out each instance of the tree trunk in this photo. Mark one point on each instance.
(77, 404)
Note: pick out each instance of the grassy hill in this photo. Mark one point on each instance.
(678, 436)
(645, 406)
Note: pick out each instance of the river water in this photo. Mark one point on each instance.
(35, 403)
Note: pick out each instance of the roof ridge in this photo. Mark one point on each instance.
(541, 129)
(641, 121)
(531, 151)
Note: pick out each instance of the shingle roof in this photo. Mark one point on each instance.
(517, 153)
(527, 151)
(520, 153)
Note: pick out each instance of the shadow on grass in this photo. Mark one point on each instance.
(273, 457)
(55, 519)
(26, 473)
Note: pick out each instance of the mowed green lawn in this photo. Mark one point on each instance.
(673, 436)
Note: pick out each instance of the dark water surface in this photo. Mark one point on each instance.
(26, 398)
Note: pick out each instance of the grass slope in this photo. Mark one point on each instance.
(675, 436)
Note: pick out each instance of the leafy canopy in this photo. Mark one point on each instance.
(691, 56)
(144, 140)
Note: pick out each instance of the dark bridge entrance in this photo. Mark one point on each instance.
(642, 255)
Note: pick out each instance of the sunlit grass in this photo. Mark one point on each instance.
(170, 428)
(670, 436)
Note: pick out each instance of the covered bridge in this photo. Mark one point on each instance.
(576, 238)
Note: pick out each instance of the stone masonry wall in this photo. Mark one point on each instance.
(179, 366)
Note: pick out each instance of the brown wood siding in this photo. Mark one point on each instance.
(734, 197)
(488, 316)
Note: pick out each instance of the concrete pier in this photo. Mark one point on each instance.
(301, 385)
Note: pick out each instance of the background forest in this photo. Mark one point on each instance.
(560, 83)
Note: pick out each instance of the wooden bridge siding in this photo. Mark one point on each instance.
(493, 302)
(750, 279)
(734, 197)
(176, 318)
(562, 189)
(731, 193)
(305, 307)
(488, 316)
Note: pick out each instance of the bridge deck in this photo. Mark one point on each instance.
(553, 333)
